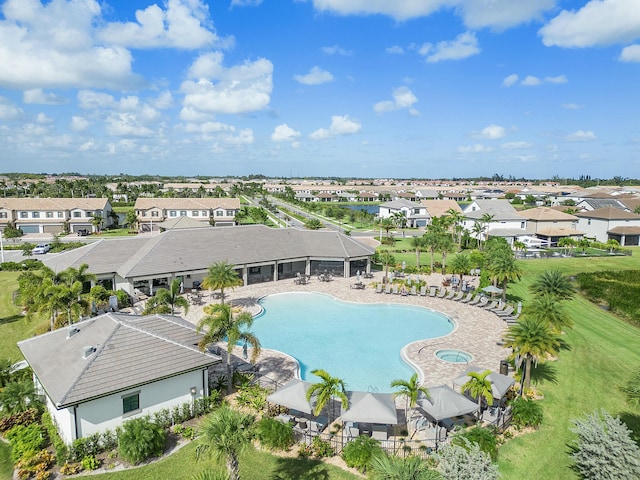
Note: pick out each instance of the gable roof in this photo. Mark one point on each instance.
(185, 250)
(53, 204)
(131, 350)
(500, 209)
(207, 203)
(400, 203)
(183, 222)
(609, 213)
(546, 214)
(597, 203)
(439, 208)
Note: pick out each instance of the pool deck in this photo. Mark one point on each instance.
(477, 331)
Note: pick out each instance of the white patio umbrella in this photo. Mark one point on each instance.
(370, 407)
(491, 289)
(293, 395)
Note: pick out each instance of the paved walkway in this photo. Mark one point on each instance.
(477, 331)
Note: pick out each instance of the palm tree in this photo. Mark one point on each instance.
(221, 323)
(478, 231)
(131, 220)
(532, 340)
(387, 259)
(225, 434)
(81, 274)
(504, 269)
(172, 297)
(432, 238)
(387, 225)
(418, 244)
(461, 264)
(479, 386)
(221, 275)
(456, 219)
(548, 307)
(445, 245)
(326, 389)
(410, 390)
(553, 282)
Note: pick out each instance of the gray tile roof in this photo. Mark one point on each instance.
(130, 351)
(188, 250)
(609, 213)
(500, 209)
(399, 203)
(597, 203)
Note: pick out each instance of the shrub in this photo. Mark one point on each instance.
(26, 440)
(468, 462)
(360, 452)
(321, 448)
(90, 463)
(253, 396)
(26, 417)
(35, 466)
(526, 413)
(274, 435)
(163, 418)
(141, 439)
(604, 448)
(108, 440)
(60, 447)
(70, 468)
(483, 437)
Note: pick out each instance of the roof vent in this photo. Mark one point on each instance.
(87, 351)
(71, 332)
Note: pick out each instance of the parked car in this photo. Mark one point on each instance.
(42, 248)
(83, 233)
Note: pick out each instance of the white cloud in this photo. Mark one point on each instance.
(8, 111)
(516, 145)
(571, 106)
(502, 14)
(284, 133)
(403, 98)
(465, 45)
(51, 46)
(245, 3)
(510, 80)
(162, 101)
(238, 89)
(42, 119)
(558, 79)
(530, 81)
(37, 96)
(89, 99)
(492, 132)
(316, 76)
(395, 50)
(337, 50)
(340, 125)
(498, 14)
(477, 148)
(79, 124)
(597, 23)
(580, 136)
(630, 53)
(124, 124)
(181, 25)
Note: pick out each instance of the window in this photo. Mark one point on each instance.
(49, 214)
(522, 225)
(219, 213)
(60, 214)
(154, 213)
(77, 214)
(195, 213)
(35, 214)
(24, 214)
(172, 213)
(89, 214)
(131, 403)
(3, 215)
(183, 213)
(229, 213)
(205, 213)
(589, 221)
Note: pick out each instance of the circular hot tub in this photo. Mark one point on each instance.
(454, 356)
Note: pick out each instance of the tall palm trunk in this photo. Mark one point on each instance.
(232, 466)
(527, 373)
(229, 374)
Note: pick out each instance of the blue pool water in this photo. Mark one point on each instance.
(359, 343)
(454, 356)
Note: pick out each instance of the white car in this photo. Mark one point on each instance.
(42, 248)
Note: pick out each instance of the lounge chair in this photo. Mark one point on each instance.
(493, 304)
(423, 291)
(458, 297)
(379, 288)
(484, 301)
(441, 293)
(413, 290)
(387, 289)
(450, 295)
(432, 291)
(475, 300)
(396, 290)
(467, 299)
(505, 312)
(511, 319)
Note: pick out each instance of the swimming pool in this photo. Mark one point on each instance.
(359, 343)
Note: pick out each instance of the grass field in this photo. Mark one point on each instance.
(604, 353)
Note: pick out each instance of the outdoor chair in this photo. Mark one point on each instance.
(396, 290)
(493, 304)
(441, 293)
(432, 291)
(458, 297)
(450, 295)
(475, 300)
(423, 291)
(387, 289)
(379, 288)
(466, 299)
(413, 290)
(506, 312)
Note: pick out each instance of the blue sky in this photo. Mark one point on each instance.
(364, 88)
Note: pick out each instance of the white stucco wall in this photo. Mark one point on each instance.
(106, 413)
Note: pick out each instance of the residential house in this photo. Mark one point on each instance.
(440, 208)
(504, 219)
(610, 223)
(100, 372)
(415, 213)
(215, 211)
(142, 264)
(590, 204)
(550, 225)
(55, 215)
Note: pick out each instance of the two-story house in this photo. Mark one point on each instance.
(215, 211)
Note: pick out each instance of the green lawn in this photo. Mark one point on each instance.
(254, 465)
